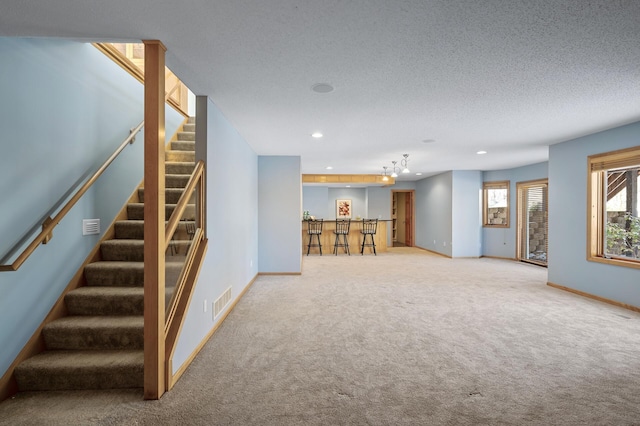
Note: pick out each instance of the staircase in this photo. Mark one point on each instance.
(99, 344)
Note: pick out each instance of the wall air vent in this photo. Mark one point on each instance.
(221, 303)
(90, 226)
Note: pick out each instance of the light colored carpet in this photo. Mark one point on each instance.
(402, 338)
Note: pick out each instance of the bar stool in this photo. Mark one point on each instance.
(314, 228)
(369, 227)
(342, 228)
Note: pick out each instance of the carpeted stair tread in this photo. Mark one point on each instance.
(115, 273)
(171, 195)
(90, 300)
(183, 146)
(134, 229)
(189, 127)
(180, 156)
(179, 167)
(95, 332)
(135, 211)
(122, 274)
(65, 370)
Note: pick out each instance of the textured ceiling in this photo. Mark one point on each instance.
(507, 76)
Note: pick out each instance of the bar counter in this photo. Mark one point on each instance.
(327, 238)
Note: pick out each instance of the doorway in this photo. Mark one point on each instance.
(402, 218)
(532, 221)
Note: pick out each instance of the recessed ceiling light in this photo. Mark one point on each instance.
(418, 174)
(428, 141)
(329, 168)
(322, 88)
(316, 135)
(481, 152)
(348, 186)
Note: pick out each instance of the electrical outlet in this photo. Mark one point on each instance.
(434, 242)
(251, 263)
(444, 244)
(204, 305)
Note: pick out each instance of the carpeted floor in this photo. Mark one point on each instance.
(402, 338)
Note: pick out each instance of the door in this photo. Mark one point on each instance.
(402, 202)
(532, 221)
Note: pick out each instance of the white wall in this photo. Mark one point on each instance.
(280, 218)
(501, 242)
(568, 265)
(65, 108)
(232, 222)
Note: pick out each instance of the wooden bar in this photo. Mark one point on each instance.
(154, 221)
(328, 238)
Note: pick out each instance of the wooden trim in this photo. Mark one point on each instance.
(181, 205)
(215, 328)
(597, 166)
(124, 62)
(35, 344)
(154, 220)
(594, 297)
(279, 273)
(348, 179)
(413, 214)
(520, 188)
(175, 327)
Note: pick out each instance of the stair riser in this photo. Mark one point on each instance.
(77, 374)
(93, 338)
(176, 181)
(186, 136)
(133, 250)
(96, 275)
(171, 195)
(189, 146)
(135, 211)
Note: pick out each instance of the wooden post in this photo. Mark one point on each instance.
(154, 219)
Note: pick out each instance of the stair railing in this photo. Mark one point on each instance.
(50, 223)
(177, 306)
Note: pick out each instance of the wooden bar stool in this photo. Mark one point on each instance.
(369, 227)
(314, 228)
(342, 228)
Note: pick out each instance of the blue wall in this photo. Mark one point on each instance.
(280, 219)
(467, 213)
(501, 242)
(232, 222)
(315, 199)
(568, 219)
(65, 108)
(434, 213)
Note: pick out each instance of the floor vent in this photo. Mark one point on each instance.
(221, 303)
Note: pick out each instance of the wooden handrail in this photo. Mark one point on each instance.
(49, 224)
(181, 205)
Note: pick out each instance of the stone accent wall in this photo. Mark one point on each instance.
(497, 216)
(537, 235)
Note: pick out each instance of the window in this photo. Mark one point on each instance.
(613, 231)
(531, 221)
(495, 204)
